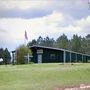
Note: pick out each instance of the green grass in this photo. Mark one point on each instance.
(42, 76)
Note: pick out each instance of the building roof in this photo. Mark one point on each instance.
(59, 49)
(13, 51)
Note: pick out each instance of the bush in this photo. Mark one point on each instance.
(21, 51)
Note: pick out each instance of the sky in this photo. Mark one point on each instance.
(42, 18)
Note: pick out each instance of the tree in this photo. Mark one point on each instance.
(40, 41)
(1, 53)
(33, 42)
(83, 45)
(21, 51)
(62, 42)
(88, 44)
(7, 56)
(76, 43)
(49, 42)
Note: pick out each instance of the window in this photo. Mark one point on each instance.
(52, 56)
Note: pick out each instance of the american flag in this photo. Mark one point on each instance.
(26, 35)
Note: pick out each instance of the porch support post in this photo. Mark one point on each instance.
(82, 58)
(64, 54)
(70, 57)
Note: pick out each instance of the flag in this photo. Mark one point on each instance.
(26, 35)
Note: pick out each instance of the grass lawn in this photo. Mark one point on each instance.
(42, 76)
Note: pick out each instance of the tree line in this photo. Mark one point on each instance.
(76, 43)
(5, 55)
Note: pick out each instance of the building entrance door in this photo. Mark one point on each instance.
(39, 58)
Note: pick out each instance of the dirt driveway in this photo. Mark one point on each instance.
(79, 87)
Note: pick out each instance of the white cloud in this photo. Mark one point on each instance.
(84, 22)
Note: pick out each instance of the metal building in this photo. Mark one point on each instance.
(42, 54)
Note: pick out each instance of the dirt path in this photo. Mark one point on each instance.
(80, 87)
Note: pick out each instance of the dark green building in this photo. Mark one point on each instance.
(42, 54)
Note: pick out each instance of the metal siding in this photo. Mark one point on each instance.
(67, 57)
(34, 58)
(73, 57)
(84, 59)
(79, 57)
(46, 56)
